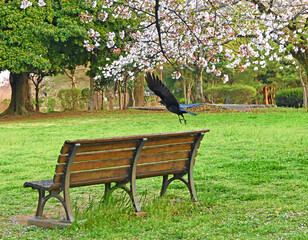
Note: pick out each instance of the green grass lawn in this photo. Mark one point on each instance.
(250, 177)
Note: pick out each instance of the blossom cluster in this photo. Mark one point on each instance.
(27, 3)
(95, 40)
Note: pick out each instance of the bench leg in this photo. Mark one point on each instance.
(40, 204)
(130, 191)
(132, 194)
(107, 188)
(64, 201)
(191, 187)
(189, 184)
(164, 185)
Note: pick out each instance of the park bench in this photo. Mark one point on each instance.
(118, 160)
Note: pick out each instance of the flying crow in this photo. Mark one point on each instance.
(167, 98)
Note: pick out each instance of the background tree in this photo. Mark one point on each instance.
(38, 37)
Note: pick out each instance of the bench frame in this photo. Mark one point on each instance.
(44, 185)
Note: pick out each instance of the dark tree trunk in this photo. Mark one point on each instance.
(139, 92)
(304, 82)
(302, 58)
(20, 99)
(199, 84)
(103, 98)
(37, 99)
(93, 101)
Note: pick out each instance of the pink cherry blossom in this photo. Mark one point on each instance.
(41, 3)
(25, 4)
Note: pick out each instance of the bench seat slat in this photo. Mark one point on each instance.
(100, 146)
(136, 137)
(98, 156)
(163, 157)
(153, 168)
(97, 181)
(92, 165)
(100, 174)
(161, 173)
(166, 141)
(166, 149)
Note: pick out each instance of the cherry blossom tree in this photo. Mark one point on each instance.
(193, 34)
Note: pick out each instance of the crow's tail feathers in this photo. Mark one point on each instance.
(184, 110)
(190, 105)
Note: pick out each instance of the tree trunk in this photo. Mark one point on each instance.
(184, 91)
(133, 98)
(37, 99)
(125, 94)
(93, 101)
(271, 95)
(73, 78)
(139, 92)
(103, 98)
(120, 96)
(304, 82)
(199, 84)
(20, 98)
(302, 59)
(190, 84)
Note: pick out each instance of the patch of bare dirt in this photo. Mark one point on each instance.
(208, 108)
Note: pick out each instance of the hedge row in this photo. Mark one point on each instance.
(292, 97)
(235, 94)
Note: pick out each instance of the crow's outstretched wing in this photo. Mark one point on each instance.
(161, 90)
(190, 105)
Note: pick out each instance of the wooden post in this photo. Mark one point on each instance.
(265, 95)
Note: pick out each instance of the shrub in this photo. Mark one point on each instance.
(292, 97)
(51, 103)
(70, 98)
(86, 94)
(235, 94)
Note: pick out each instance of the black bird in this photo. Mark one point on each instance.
(167, 98)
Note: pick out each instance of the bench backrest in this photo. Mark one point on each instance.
(94, 161)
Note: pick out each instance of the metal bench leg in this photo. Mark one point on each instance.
(164, 185)
(67, 205)
(107, 188)
(133, 174)
(64, 201)
(189, 184)
(133, 195)
(191, 187)
(40, 204)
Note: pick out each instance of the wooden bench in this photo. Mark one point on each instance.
(119, 160)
